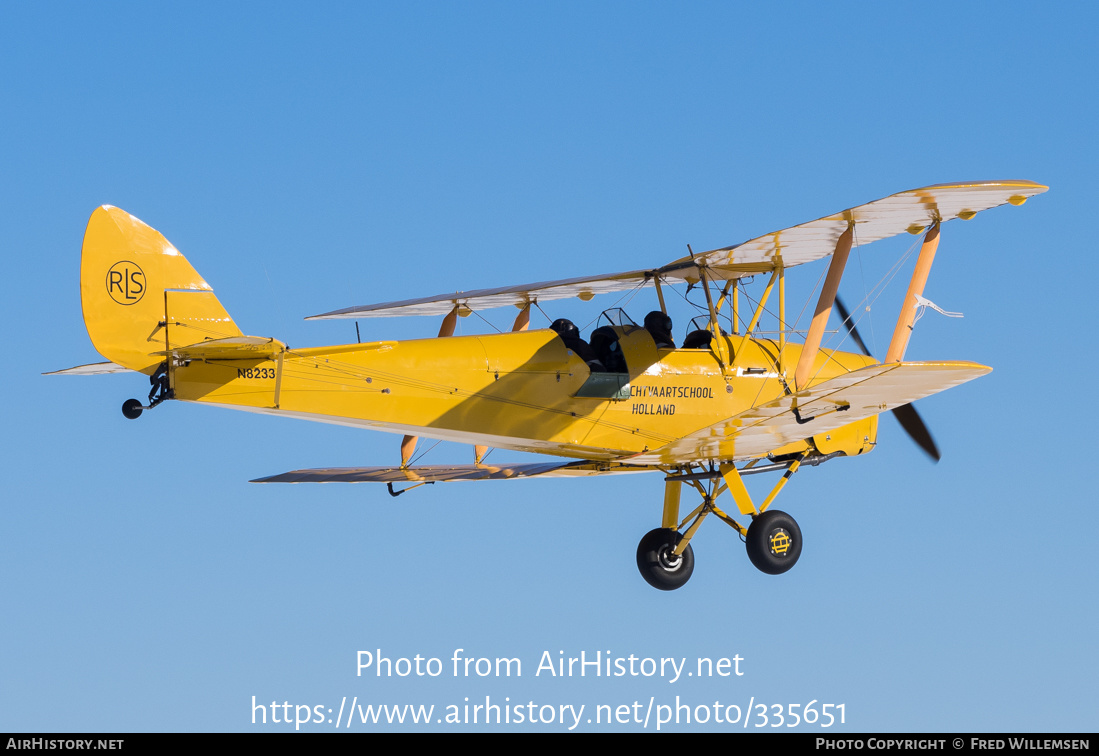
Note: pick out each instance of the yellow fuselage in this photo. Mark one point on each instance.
(518, 391)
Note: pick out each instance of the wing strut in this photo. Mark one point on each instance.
(903, 331)
(824, 309)
(756, 315)
(408, 443)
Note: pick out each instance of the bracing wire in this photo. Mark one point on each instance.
(485, 321)
(628, 296)
(547, 317)
(879, 288)
(420, 456)
(809, 298)
(871, 297)
(865, 293)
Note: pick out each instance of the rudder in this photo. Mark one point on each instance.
(140, 296)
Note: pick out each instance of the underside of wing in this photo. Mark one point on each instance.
(818, 409)
(97, 368)
(584, 288)
(440, 473)
(910, 211)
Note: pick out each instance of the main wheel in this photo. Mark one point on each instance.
(660, 568)
(774, 542)
(131, 408)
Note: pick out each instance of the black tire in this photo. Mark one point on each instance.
(131, 408)
(774, 542)
(657, 565)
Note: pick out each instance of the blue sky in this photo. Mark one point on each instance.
(311, 158)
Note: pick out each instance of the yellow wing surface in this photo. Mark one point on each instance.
(824, 407)
(910, 211)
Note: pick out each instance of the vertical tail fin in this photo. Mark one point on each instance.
(140, 296)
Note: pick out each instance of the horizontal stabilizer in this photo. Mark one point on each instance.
(96, 368)
(438, 473)
(232, 348)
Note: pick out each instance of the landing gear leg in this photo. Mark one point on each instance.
(664, 556)
(160, 391)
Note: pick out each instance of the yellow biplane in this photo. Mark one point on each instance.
(723, 405)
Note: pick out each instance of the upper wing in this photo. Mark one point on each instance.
(910, 211)
(584, 287)
(844, 399)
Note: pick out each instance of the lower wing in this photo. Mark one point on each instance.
(818, 409)
(437, 473)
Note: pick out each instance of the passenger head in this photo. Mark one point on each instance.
(699, 339)
(604, 337)
(659, 327)
(656, 321)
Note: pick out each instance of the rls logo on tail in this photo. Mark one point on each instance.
(126, 282)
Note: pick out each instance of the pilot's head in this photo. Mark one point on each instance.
(565, 328)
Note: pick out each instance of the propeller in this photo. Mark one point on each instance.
(906, 414)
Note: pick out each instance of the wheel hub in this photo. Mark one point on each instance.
(780, 542)
(668, 560)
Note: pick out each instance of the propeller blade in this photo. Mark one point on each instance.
(914, 426)
(850, 324)
(906, 415)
